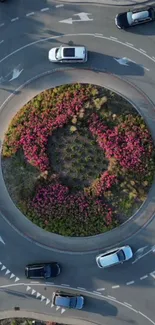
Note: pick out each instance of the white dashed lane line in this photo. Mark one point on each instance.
(115, 287)
(30, 14)
(129, 283)
(128, 44)
(65, 285)
(14, 19)
(44, 9)
(142, 51)
(144, 277)
(1, 41)
(126, 303)
(59, 6)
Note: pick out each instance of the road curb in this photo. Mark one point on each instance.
(110, 3)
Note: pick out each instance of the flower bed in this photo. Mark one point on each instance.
(84, 160)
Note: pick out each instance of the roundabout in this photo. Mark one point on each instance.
(129, 284)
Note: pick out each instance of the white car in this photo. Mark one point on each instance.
(114, 256)
(69, 54)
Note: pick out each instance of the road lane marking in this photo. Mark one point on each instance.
(111, 297)
(142, 51)
(28, 288)
(80, 288)
(98, 293)
(30, 14)
(126, 303)
(97, 34)
(47, 301)
(153, 274)
(144, 277)
(1, 41)
(101, 289)
(66, 285)
(35, 282)
(44, 9)
(149, 319)
(14, 19)
(114, 38)
(129, 283)
(115, 287)
(58, 6)
(128, 44)
(1, 25)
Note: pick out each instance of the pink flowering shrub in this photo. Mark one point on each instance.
(55, 202)
(128, 143)
(30, 130)
(104, 183)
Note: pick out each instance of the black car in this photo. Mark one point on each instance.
(133, 18)
(42, 270)
(67, 300)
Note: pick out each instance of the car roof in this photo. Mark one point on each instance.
(74, 52)
(62, 301)
(140, 15)
(109, 259)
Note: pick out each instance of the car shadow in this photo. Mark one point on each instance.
(147, 29)
(107, 63)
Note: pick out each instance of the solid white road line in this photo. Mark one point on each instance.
(129, 283)
(101, 289)
(150, 320)
(80, 288)
(66, 285)
(144, 277)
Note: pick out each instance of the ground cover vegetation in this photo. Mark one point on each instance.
(78, 160)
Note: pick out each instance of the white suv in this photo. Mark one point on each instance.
(68, 54)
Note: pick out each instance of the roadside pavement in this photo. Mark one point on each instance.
(112, 2)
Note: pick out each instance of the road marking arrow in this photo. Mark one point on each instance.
(2, 241)
(82, 15)
(16, 73)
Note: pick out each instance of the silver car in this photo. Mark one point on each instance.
(114, 256)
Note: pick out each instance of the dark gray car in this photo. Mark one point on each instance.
(67, 300)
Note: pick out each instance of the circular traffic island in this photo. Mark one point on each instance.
(78, 160)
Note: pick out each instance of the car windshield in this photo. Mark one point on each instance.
(73, 301)
(121, 256)
(47, 270)
(58, 54)
(129, 18)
